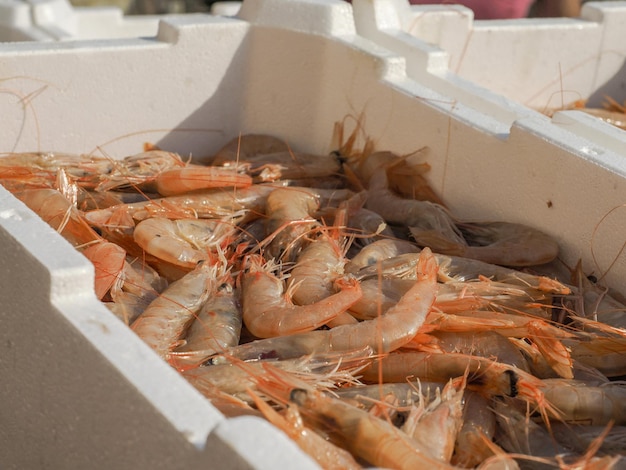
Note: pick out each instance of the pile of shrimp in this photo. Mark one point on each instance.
(338, 297)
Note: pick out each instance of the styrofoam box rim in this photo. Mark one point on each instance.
(64, 279)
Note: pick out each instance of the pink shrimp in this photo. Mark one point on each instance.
(386, 333)
(268, 312)
(195, 177)
(165, 320)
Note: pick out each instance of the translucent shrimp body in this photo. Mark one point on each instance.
(269, 312)
(217, 325)
(182, 242)
(165, 320)
(373, 439)
(385, 333)
(193, 178)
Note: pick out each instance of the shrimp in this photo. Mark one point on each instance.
(84, 169)
(217, 325)
(109, 261)
(440, 423)
(60, 214)
(268, 312)
(139, 170)
(289, 217)
(587, 404)
(317, 268)
(379, 295)
(216, 203)
(606, 354)
(544, 335)
(324, 452)
(479, 426)
(136, 287)
(503, 243)
(182, 242)
(485, 344)
(259, 151)
(194, 177)
(386, 333)
(485, 375)
(420, 216)
(370, 438)
(166, 319)
(381, 250)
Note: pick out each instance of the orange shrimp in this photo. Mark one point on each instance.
(194, 177)
(485, 375)
(183, 242)
(373, 439)
(108, 260)
(386, 333)
(166, 319)
(217, 325)
(268, 312)
(324, 452)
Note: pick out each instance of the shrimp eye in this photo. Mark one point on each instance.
(225, 287)
(298, 396)
(513, 379)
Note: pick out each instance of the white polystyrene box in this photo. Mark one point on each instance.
(542, 63)
(57, 20)
(77, 382)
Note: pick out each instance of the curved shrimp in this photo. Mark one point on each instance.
(182, 242)
(385, 333)
(268, 312)
(318, 266)
(289, 217)
(163, 323)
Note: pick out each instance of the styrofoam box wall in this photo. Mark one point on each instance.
(57, 20)
(542, 63)
(425, 34)
(79, 389)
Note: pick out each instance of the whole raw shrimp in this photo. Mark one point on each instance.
(386, 333)
(268, 311)
(324, 452)
(289, 218)
(196, 177)
(163, 323)
(217, 325)
(183, 242)
(370, 438)
(485, 375)
(211, 204)
(504, 243)
(587, 404)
